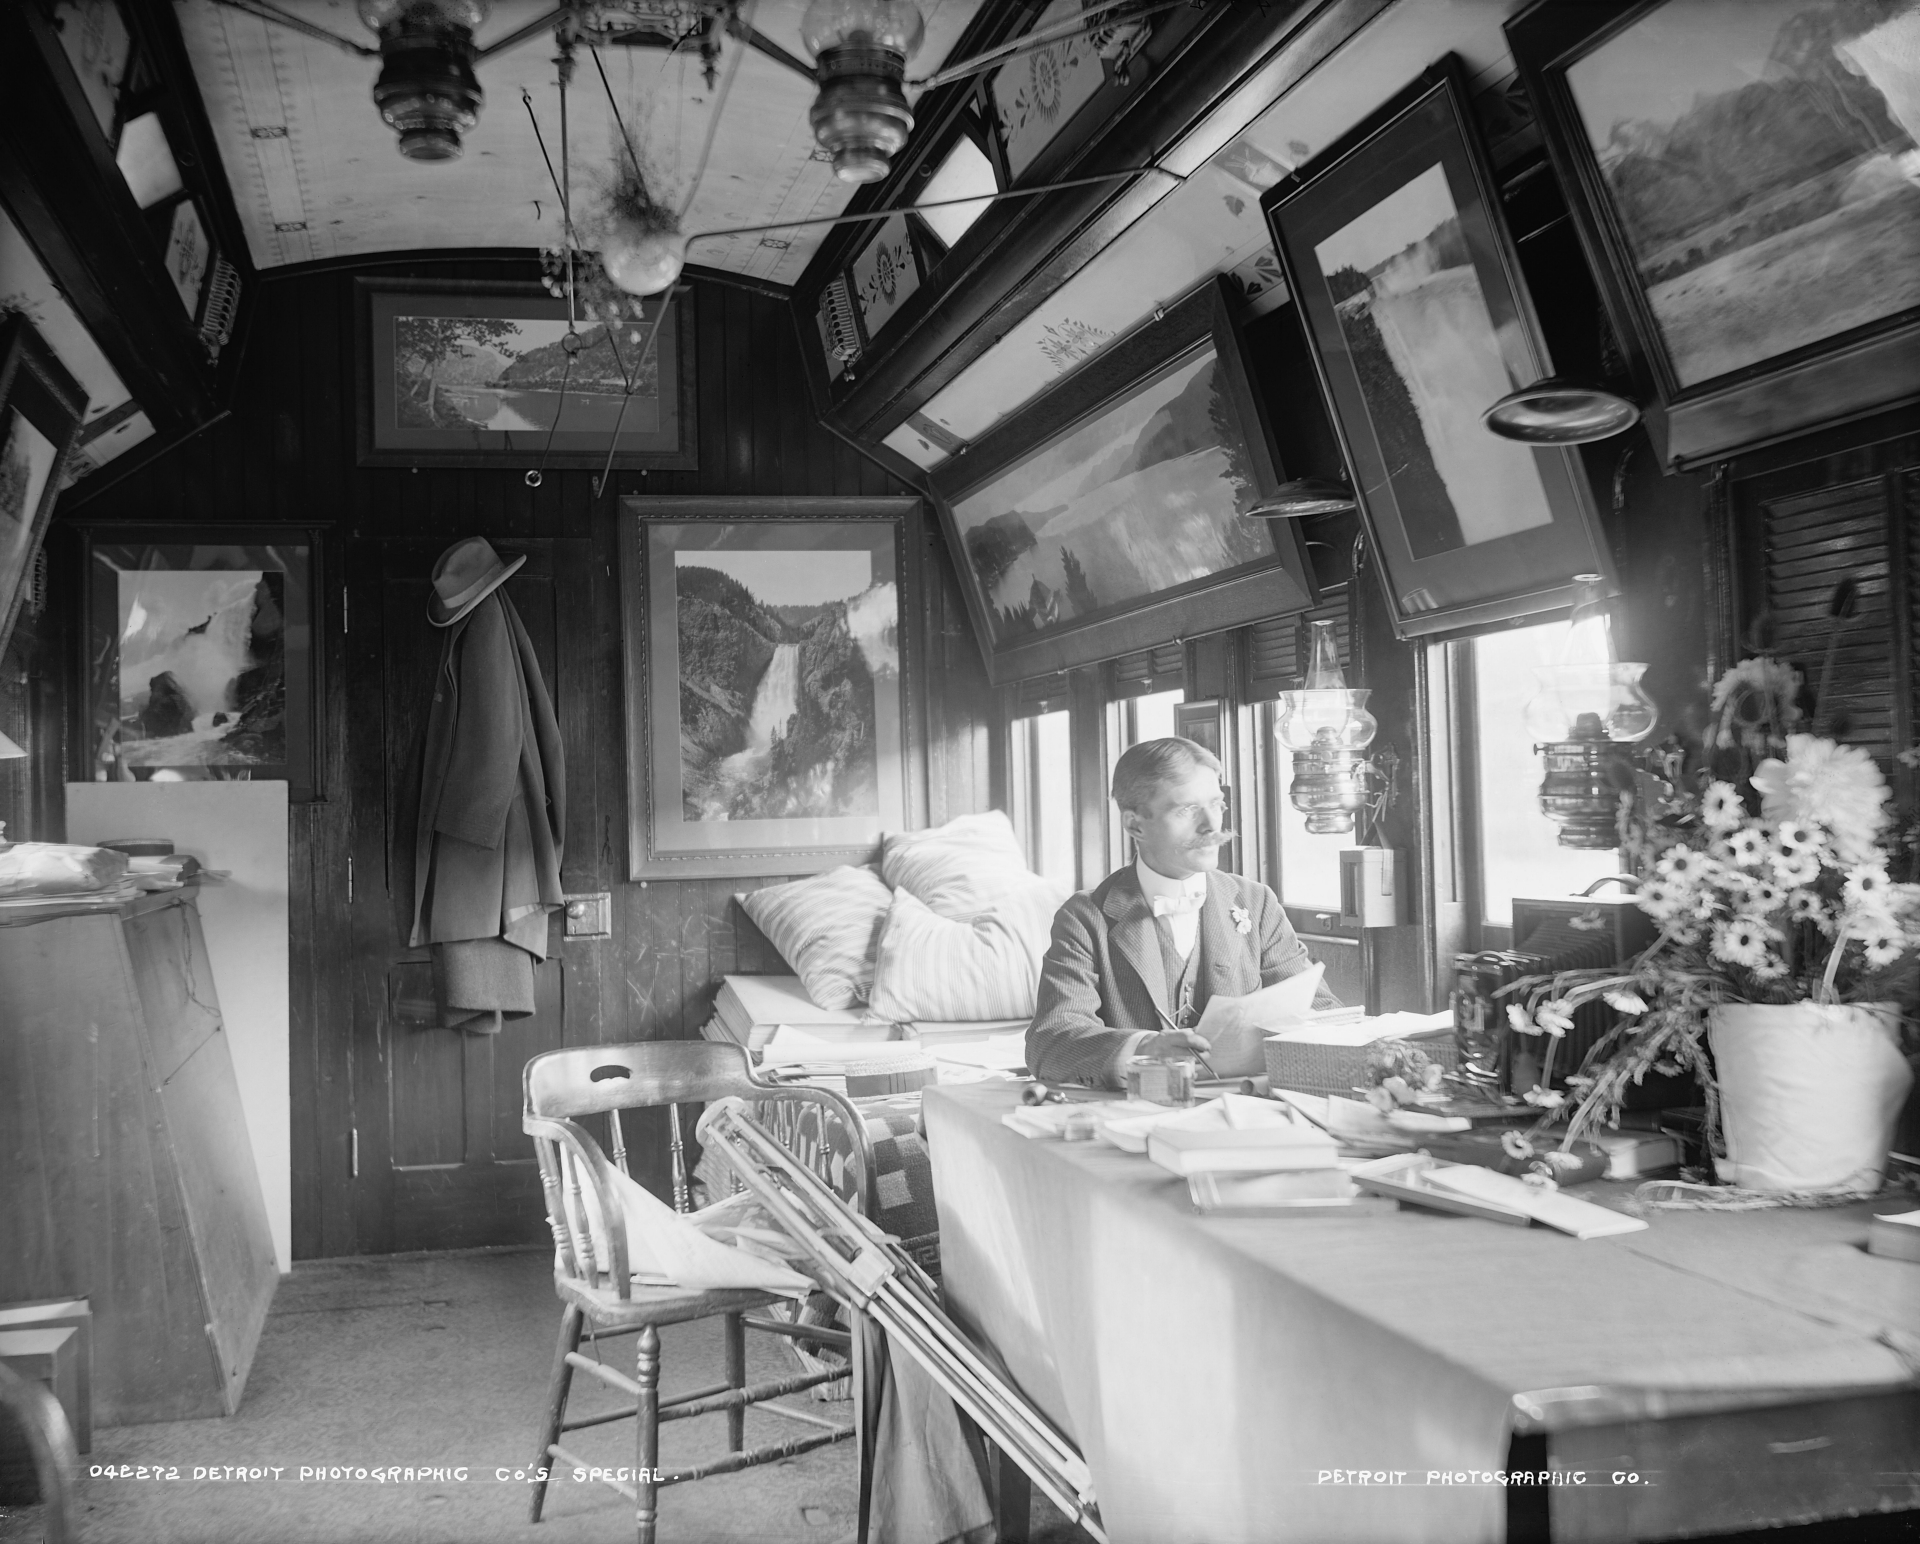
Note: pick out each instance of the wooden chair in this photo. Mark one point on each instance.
(602, 1300)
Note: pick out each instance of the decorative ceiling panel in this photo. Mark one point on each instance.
(315, 172)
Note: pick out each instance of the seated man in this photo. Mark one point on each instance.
(1133, 962)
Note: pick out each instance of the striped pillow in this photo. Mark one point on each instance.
(935, 967)
(959, 869)
(824, 928)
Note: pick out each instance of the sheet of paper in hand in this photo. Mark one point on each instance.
(1236, 1027)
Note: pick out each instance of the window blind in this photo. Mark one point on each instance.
(1280, 647)
(1161, 669)
(1040, 694)
(1814, 540)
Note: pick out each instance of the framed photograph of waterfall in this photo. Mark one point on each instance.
(768, 677)
(489, 374)
(1418, 320)
(200, 659)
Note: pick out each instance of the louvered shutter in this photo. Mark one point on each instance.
(1813, 541)
(1279, 648)
(1040, 694)
(1161, 669)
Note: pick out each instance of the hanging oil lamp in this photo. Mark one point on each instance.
(1328, 729)
(1589, 710)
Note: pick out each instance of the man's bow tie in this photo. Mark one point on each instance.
(1177, 905)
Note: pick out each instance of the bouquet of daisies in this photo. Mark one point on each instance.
(1776, 894)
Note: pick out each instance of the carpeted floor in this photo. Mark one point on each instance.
(441, 1361)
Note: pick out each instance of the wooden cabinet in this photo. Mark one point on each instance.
(128, 1174)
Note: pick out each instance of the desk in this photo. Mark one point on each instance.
(127, 1176)
(1748, 1367)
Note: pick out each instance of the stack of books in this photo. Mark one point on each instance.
(1244, 1156)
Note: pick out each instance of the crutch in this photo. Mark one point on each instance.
(867, 1270)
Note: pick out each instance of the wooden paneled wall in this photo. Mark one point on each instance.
(286, 455)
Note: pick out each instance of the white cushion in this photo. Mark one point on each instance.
(959, 869)
(935, 967)
(825, 928)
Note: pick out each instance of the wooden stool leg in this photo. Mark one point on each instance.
(736, 1335)
(557, 1388)
(646, 1372)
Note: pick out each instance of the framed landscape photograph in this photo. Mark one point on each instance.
(1746, 182)
(40, 412)
(1418, 321)
(482, 374)
(767, 669)
(200, 657)
(1106, 516)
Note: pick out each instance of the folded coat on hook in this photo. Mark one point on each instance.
(492, 818)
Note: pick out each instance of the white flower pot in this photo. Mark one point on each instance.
(1809, 1093)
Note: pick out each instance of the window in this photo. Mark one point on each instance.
(1130, 720)
(1042, 792)
(1519, 850)
(963, 171)
(1309, 877)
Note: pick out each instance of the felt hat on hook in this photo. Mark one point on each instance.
(463, 576)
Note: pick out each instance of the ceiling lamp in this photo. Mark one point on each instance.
(1557, 411)
(1300, 497)
(427, 90)
(640, 260)
(1589, 709)
(860, 50)
(1327, 727)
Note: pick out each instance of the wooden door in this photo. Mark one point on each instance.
(439, 1160)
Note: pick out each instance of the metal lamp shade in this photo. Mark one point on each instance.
(1556, 411)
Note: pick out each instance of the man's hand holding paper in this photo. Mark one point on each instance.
(1237, 1027)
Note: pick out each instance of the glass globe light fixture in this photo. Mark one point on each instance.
(642, 261)
(1328, 728)
(860, 50)
(427, 90)
(1590, 707)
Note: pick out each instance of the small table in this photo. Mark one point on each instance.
(1367, 1378)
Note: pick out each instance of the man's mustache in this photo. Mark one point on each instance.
(1214, 839)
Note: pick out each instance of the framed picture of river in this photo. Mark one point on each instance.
(1418, 320)
(200, 660)
(487, 374)
(767, 678)
(1745, 179)
(1108, 515)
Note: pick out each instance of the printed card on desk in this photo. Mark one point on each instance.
(1567, 1213)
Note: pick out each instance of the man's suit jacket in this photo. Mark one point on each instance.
(1103, 978)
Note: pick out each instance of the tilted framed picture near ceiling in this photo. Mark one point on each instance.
(40, 414)
(1107, 515)
(483, 373)
(1745, 180)
(768, 676)
(200, 660)
(1418, 320)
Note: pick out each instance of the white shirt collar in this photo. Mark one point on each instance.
(1153, 882)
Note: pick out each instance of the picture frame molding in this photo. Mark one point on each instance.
(35, 384)
(1543, 600)
(368, 452)
(645, 860)
(305, 776)
(1214, 604)
(1819, 385)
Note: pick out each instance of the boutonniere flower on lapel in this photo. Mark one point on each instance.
(1242, 923)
